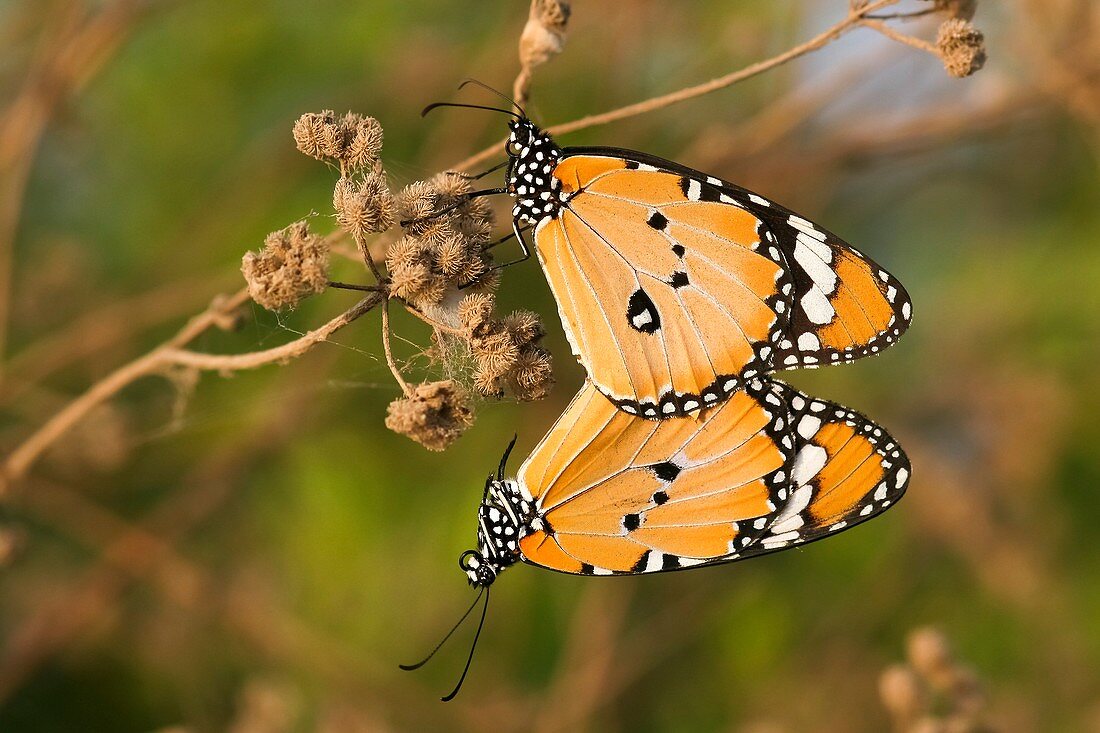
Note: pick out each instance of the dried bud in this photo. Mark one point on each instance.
(474, 311)
(292, 266)
(902, 693)
(364, 141)
(533, 376)
(524, 327)
(930, 655)
(416, 202)
(434, 415)
(319, 135)
(544, 35)
(962, 47)
(956, 8)
(363, 206)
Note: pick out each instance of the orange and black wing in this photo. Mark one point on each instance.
(670, 302)
(675, 287)
(617, 494)
(846, 470)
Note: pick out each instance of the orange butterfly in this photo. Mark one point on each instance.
(675, 287)
(608, 493)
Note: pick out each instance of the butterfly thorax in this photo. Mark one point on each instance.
(533, 156)
(503, 519)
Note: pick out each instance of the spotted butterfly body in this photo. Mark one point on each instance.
(609, 493)
(675, 288)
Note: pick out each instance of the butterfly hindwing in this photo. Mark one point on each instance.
(617, 494)
(846, 470)
(768, 469)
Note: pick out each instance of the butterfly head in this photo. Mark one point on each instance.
(532, 157)
(501, 522)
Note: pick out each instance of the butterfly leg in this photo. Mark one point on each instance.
(455, 205)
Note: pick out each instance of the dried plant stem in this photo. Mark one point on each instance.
(853, 20)
(170, 354)
(388, 348)
(69, 59)
(911, 41)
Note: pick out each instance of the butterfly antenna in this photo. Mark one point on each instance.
(504, 458)
(421, 663)
(437, 105)
(497, 92)
(470, 659)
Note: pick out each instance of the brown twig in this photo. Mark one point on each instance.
(911, 41)
(388, 348)
(169, 354)
(854, 19)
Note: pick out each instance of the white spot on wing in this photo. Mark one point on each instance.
(807, 463)
(757, 200)
(808, 342)
(817, 307)
(808, 426)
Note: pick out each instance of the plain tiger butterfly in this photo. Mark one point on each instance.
(675, 287)
(609, 493)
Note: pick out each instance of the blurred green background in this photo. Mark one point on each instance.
(257, 552)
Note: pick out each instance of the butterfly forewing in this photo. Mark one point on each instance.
(615, 493)
(676, 287)
(669, 303)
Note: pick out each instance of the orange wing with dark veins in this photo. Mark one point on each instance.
(669, 303)
(675, 287)
(846, 470)
(618, 494)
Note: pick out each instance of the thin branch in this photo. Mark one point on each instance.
(388, 348)
(169, 354)
(853, 20)
(911, 41)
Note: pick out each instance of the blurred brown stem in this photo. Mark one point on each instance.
(854, 19)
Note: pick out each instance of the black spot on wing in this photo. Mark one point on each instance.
(641, 313)
(632, 165)
(659, 497)
(631, 522)
(678, 280)
(666, 471)
(678, 250)
(657, 220)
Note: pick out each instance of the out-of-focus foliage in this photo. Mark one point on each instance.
(294, 550)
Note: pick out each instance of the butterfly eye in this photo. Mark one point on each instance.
(513, 148)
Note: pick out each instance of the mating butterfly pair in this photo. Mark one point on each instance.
(679, 294)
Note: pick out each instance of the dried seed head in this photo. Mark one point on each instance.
(524, 327)
(902, 693)
(533, 375)
(930, 654)
(363, 136)
(495, 354)
(319, 135)
(292, 265)
(544, 35)
(474, 311)
(415, 202)
(452, 254)
(434, 415)
(363, 206)
(962, 47)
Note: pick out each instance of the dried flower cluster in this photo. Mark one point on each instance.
(932, 692)
(292, 266)
(352, 140)
(506, 352)
(440, 254)
(961, 46)
(434, 414)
